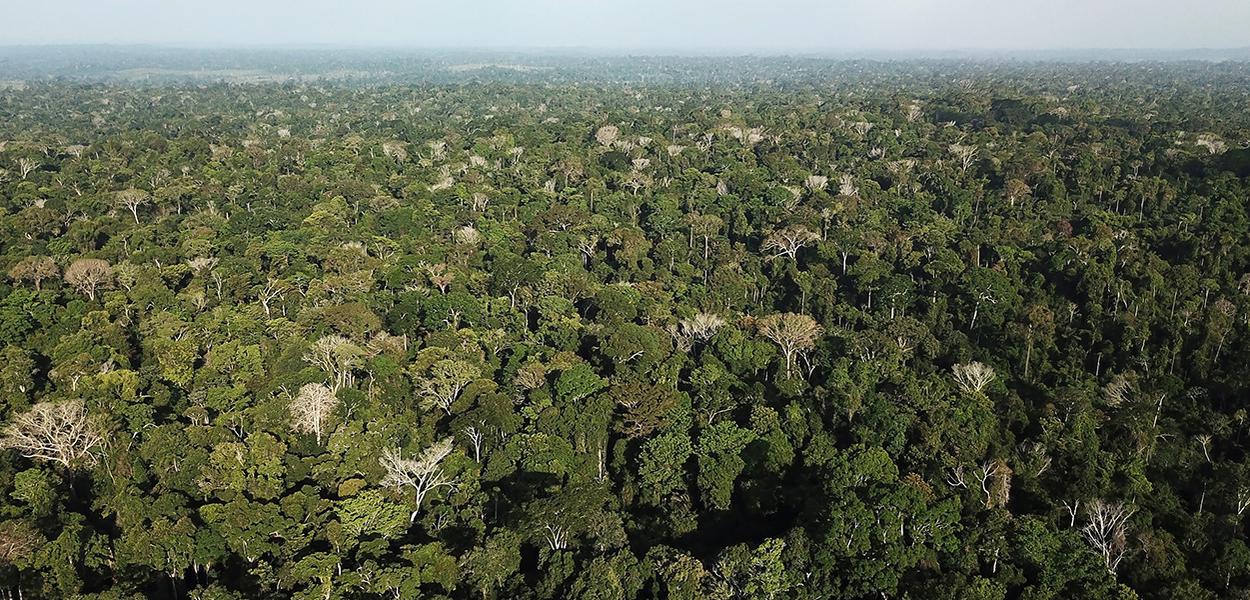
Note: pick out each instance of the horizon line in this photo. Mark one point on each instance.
(778, 50)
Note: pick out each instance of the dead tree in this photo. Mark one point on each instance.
(311, 407)
(34, 269)
(995, 478)
(25, 166)
(338, 357)
(973, 377)
(60, 432)
(788, 240)
(966, 155)
(1107, 531)
(793, 333)
(131, 199)
(607, 135)
(477, 437)
(697, 329)
(89, 275)
(274, 289)
(422, 474)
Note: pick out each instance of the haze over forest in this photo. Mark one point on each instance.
(685, 26)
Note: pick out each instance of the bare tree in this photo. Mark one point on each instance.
(423, 474)
(697, 329)
(955, 477)
(967, 155)
(202, 264)
(846, 185)
(338, 357)
(467, 236)
(702, 326)
(557, 536)
(89, 275)
(131, 199)
(1119, 391)
(914, 112)
(793, 333)
(1107, 531)
(477, 437)
(395, 150)
(479, 201)
(1035, 457)
(1072, 508)
(1243, 499)
(311, 407)
(274, 289)
(1204, 441)
(973, 377)
(788, 240)
(25, 166)
(995, 478)
(59, 432)
(438, 149)
(1212, 143)
(607, 134)
(1223, 318)
(985, 296)
(34, 268)
(19, 540)
(587, 246)
(439, 276)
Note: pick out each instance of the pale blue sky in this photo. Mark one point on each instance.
(638, 24)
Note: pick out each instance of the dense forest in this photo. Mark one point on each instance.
(619, 328)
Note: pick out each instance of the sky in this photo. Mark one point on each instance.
(695, 25)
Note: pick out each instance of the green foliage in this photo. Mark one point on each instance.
(578, 382)
(546, 301)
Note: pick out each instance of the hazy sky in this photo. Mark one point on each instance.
(638, 24)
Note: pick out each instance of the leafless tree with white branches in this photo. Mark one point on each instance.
(701, 327)
(846, 185)
(607, 134)
(25, 166)
(274, 289)
(995, 478)
(423, 474)
(59, 432)
(338, 357)
(914, 112)
(35, 269)
(793, 333)
(1107, 531)
(131, 199)
(1119, 391)
(1243, 499)
(395, 150)
(967, 155)
(973, 377)
(88, 275)
(788, 240)
(311, 407)
(477, 437)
